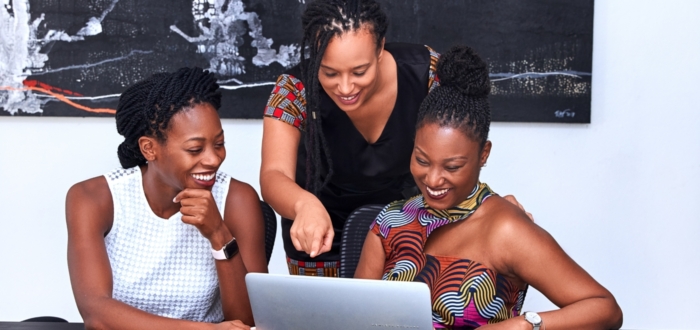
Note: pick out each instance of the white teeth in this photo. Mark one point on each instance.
(348, 98)
(436, 192)
(202, 177)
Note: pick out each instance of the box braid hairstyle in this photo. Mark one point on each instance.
(322, 20)
(145, 108)
(461, 100)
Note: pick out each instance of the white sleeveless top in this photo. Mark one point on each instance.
(163, 267)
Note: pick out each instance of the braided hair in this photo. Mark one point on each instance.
(322, 20)
(145, 108)
(461, 100)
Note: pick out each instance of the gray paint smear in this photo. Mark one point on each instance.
(20, 52)
(220, 39)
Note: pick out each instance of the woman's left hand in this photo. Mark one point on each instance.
(199, 209)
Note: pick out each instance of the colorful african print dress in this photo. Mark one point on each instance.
(464, 293)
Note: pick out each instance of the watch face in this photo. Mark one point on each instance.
(533, 318)
(231, 249)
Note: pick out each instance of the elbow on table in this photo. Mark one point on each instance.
(617, 317)
(615, 314)
(91, 315)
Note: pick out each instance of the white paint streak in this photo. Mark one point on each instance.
(506, 76)
(546, 70)
(221, 37)
(94, 24)
(267, 83)
(85, 66)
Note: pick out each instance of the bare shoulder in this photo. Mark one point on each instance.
(242, 203)
(241, 193)
(92, 199)
(508, 224)
(91, 191)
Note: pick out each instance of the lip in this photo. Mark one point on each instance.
(437, 194)
(206, 179)
(348, 101)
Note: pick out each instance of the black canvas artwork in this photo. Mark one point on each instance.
(74, 57)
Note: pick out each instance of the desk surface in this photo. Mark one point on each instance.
(40, 326)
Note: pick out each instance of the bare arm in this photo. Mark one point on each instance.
(531, 254)
(372, 259)
(243, 219)
(89, 216)
(312, 231)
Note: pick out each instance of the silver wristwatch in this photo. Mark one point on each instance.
(534, 319)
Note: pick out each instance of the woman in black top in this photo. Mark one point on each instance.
(354, 103)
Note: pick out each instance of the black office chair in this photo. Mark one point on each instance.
(270, 228)
(46, 319)
(354, 233)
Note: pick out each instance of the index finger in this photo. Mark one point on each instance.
(189, 193)
(316, 243)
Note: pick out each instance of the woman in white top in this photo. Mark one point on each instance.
(155, 244)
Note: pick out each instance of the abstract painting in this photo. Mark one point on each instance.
(75, 57)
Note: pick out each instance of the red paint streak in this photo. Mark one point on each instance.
(34, 83)
(46, 89)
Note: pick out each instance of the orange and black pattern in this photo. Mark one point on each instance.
(433, 80)
(287, 101)
(313, 268)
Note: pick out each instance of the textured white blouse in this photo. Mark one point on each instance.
(161, 266)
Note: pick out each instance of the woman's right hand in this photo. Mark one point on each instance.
(312, 230)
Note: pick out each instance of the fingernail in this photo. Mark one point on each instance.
(174, 200)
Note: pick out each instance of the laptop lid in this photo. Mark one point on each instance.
(323, 303)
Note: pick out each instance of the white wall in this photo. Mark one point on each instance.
(619, 194)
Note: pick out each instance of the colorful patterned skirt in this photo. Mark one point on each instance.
(313, 268)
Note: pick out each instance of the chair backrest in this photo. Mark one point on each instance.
(354, 234)
(270, 228)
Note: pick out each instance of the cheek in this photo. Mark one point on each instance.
(368, 79)
(416, 170)
(222, 154)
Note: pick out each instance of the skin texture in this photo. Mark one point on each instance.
(194, 144)
(501, 237)
(352, 65)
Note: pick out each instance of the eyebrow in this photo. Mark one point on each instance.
(199, 138)
(355, 68)
(445, 160)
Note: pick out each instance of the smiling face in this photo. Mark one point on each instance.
(193, 149)
(349, 68)
(445, 164)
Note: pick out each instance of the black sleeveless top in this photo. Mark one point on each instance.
(364, 173)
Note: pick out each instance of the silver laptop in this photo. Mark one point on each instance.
(282, 302)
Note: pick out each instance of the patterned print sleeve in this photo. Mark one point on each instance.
(433, 80)
(287, 101)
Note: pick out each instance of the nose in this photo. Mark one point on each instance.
(345, 86)
(434, 177)
(212, 158)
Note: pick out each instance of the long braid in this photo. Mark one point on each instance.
(145, 108)
(461, 100)
(322, 20)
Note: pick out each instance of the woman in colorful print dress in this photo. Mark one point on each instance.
(477, 252)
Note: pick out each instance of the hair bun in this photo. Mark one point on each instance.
(461, 68)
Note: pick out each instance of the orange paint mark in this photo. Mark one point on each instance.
(31, 86)
(34, 83)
